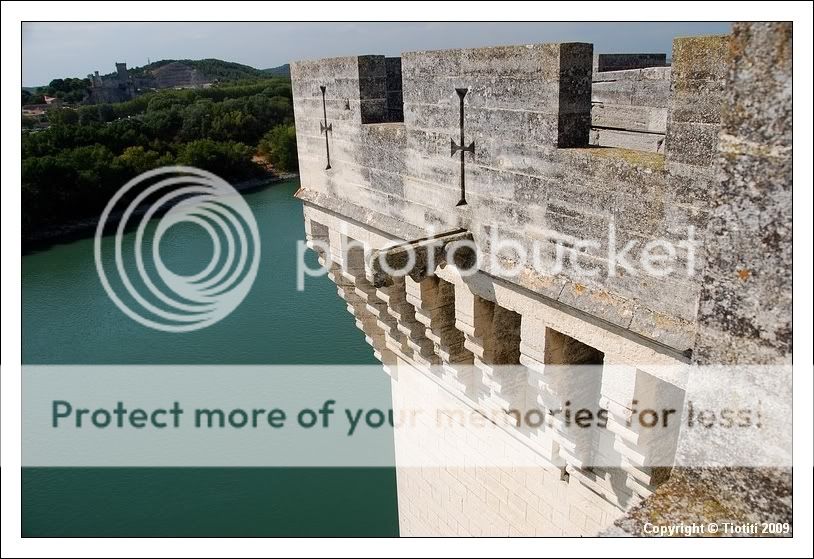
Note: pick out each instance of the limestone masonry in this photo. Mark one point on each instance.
(541, 147)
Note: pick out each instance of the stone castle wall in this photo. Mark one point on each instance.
(527, 109)
(442, 340)
(745, 315)
(629, 108)
(381, 181)
(116, 89)
(480, 500)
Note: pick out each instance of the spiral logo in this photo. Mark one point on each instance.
(156, 296)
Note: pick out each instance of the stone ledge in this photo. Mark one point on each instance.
(641, 159)
(699, 496)
(387, 225)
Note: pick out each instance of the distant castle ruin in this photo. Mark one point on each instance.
(541, 147)
(121, 86)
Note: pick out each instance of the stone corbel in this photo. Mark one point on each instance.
(419, 258)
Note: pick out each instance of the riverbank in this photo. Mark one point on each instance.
(82, 228)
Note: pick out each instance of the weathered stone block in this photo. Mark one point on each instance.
(650, 92)
(760, 69)
(626, 117)
(700, 101)
(699, 58)
(691, 143)
(640, 141)
(615, 92)
(518, 112)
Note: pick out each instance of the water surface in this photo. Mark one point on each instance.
(68, 319)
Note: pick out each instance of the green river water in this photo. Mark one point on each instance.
(68, 319)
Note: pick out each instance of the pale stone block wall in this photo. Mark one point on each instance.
(629, 107)
(533, 176)
(480, 343)
(483, 501)
(445, 337)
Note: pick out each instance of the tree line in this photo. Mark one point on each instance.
(70, 169)
(70, 90)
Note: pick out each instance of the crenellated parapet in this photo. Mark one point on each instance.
(532, 177)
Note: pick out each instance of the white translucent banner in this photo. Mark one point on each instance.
(357, 416)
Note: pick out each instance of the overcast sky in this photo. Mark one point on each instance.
(52, 50)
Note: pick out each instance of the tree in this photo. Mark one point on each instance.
(234, 125)
(279, 146)
(32, 98)
(70, 90)
(226, 159)
(278, 90)
(63, 116)
(164, 125)
(197, 121)
(137, 160)
(106, 112)
(71, 169)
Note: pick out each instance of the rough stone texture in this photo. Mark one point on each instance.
(697, 87)
(700, 496)
(639, 141)
(745, 307)
(724, 174)
(744, 314)
(629, 108)
(628, 117)
(523, 105)
(649, 87)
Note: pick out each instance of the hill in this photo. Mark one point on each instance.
(281, 71)
(212, 68)
(162, 74)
